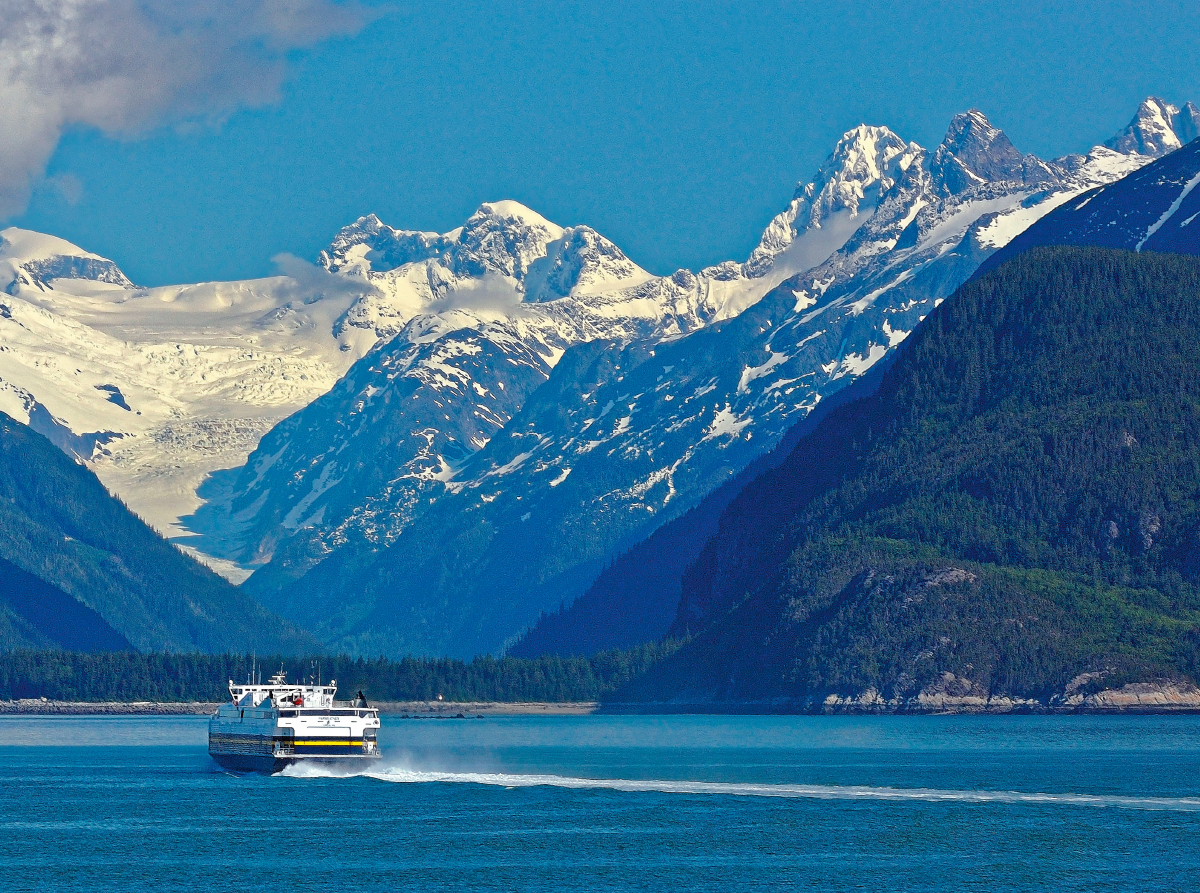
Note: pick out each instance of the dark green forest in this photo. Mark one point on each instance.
(128, 676)
(1018, 503)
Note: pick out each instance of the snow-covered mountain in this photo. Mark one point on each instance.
(157, 387)
(463, 477)
(500, 299)
(1158, 128)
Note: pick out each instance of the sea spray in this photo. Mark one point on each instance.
(406, 775)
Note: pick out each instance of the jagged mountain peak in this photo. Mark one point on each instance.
(581, 262)
(368, 222)
(972, 121)
(976, 152)
(34, 259)
(503, 237)
(368, 244)
(866, 162)
(865, 156)
(1157, 128)
(975, 141)
(513, 212)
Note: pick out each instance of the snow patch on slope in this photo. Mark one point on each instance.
(1170, 212)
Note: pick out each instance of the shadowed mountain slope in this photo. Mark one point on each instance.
(1156, 208)
(79, 570)
(35, 613)
(635, 599)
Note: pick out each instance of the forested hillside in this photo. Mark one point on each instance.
(79, 570)
(1018, 504)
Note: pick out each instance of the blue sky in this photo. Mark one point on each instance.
(676, 129)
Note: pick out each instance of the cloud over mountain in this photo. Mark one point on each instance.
(123, 66)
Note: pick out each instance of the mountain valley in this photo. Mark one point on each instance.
(79, 571)
(426, 440)
(627, 433)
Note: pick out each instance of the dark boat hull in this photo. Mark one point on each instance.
(269, 763)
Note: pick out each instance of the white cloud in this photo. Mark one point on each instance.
(311, 279)
(68, 188)
(125, 66)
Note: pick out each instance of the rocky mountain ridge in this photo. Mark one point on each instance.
(1152, 209)
(636, 598)
(623, 435)
(1158, 128)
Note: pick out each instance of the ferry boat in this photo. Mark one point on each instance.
(266, 726)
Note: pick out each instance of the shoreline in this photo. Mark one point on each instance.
(408, 709)
(472, 709)
(482, 709)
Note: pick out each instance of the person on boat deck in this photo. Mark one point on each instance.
(361, 700)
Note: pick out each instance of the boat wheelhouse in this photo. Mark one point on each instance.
(266, 726)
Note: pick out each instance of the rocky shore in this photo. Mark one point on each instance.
(952, 694)
(462, 709)
(44, 707)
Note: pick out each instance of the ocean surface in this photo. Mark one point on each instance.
(615, 803)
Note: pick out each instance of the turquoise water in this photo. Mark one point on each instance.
(616, 803)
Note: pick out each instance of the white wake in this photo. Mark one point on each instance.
(747, 789)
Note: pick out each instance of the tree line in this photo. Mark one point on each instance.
(171, 677)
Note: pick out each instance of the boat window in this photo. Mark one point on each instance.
(324, 711)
